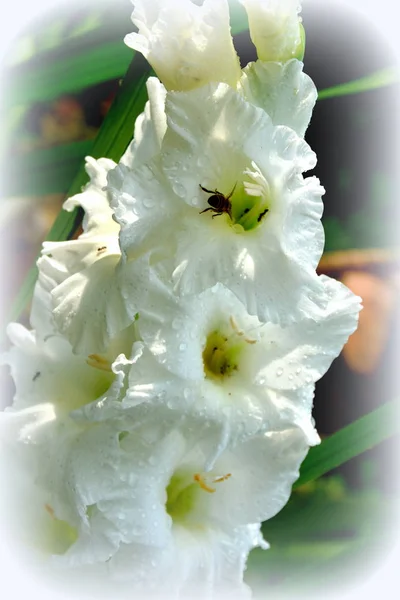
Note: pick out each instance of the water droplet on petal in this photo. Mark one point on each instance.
(179, 189)
(149, 202)
(279, 372)
(175, 324)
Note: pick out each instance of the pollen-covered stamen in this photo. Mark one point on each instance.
(98, 362)
(202, 481)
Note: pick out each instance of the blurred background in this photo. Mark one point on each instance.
(60, 80)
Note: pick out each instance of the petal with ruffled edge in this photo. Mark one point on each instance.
(182, 40)
(285, 93)
(302, 353)
(150, 127)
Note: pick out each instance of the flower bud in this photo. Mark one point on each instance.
(276, 29)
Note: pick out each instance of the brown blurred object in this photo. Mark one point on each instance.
(64, 122)
(24, 224)
(371, 274)
(369, 259)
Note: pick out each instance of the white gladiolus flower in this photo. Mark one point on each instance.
(164, 521)
(266, 240)
(208, 357)
(275, 28)
(285, 93)
(186, 44)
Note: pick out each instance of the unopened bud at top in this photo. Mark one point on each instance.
(276, 29)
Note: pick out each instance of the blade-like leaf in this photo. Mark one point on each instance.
(352, 440)
(45, 171)
(374, 81)
(70, 74)
(112, 140)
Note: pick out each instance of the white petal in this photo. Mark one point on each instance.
(286, 93)
(93, 199)
(150, 127)
(303, 352)
(90, 306)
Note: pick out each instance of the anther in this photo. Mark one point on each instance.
(50, 510)
(222, 478)
(98, 362)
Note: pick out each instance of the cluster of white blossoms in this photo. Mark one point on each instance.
(164, 394)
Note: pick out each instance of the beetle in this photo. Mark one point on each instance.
(219, 203)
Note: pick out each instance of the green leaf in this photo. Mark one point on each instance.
(70, 74)
(46, 171)
(376, 80)
(352, 440)
(111, 142)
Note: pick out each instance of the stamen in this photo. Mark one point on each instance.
(197, 477)
(223, 478)
(235, 327)
(204, 486)
(98, 362)
(240, 332)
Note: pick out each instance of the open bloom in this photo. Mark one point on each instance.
(275, 28)
(188, 45)
(151, 513)
(206, 356)
(227, 204)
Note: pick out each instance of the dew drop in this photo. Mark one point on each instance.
(279, 372)
(182, 346)
(149, 202)
(179, 189)
(175, 324)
